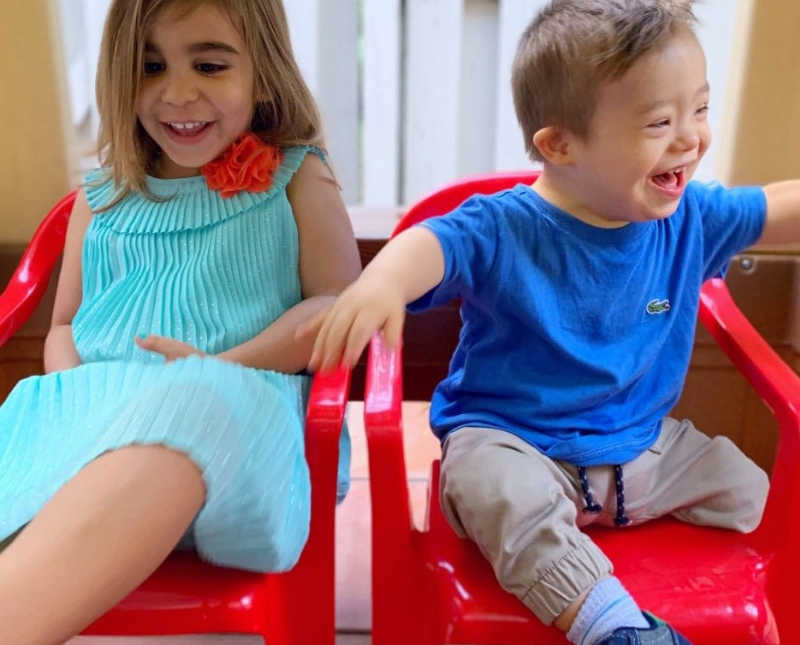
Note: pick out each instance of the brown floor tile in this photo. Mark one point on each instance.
(353, 548)
(353, 639)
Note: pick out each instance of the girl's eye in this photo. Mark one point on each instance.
(210, 68)
(663, 123)
(703, 110)
(151, 68)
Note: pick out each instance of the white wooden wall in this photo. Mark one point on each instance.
(82, 30)
(430, 83)
(415, 93)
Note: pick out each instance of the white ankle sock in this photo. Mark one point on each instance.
(607, 607)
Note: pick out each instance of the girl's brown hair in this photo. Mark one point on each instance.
(285, 112)
(573, 46)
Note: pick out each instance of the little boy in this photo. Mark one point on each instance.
(579, 304)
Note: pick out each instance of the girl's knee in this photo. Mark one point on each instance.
(174, 467)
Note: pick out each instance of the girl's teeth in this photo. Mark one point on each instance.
(189, 125)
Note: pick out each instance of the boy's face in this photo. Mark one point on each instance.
(647, 135)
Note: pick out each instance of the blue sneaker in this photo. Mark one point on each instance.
(659, 633)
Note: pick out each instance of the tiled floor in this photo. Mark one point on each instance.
(352, 536)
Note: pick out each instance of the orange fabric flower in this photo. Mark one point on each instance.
(248, 164)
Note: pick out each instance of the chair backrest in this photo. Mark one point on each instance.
(30, 280)
(449, 197)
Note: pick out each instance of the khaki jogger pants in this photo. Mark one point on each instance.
(525, 510)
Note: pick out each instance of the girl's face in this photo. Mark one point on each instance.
(197, 88)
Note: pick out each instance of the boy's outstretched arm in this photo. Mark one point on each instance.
(409, 266)
(783, 213)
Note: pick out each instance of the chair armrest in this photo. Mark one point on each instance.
(17, 302)
(383, 423)
(328, 399)
(777, 385)
(396, 561)
(32, 275)
(327, 403)
(315, 570)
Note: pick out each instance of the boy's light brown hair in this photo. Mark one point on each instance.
(285, 112)
(573, 46)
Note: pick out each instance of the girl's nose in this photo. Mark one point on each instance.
(179, 89)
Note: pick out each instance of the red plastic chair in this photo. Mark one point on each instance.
(718, 587)
(185, 595)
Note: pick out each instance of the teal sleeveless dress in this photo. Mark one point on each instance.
(211, 272)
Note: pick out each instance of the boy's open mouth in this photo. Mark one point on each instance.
(672, 180)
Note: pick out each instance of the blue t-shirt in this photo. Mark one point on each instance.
(577, 338)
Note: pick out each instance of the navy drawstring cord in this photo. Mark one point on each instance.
(591, 504)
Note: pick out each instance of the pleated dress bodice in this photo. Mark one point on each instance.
(206, 270)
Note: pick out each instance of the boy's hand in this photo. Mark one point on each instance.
(345, 328)
(169, 348)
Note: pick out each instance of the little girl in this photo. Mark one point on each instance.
(173, 405)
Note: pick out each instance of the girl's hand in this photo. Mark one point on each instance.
(344, 329)
(169, 348)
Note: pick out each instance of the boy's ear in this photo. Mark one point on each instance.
(553, 143)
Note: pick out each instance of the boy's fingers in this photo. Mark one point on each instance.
(357, 339)
(393, 329)
(338, 329)
(362, 331)
(319, 353)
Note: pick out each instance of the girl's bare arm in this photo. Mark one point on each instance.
(59, 348)
(329, 261)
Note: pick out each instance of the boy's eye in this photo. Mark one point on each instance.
(210, 68)
(703, 109)
(663, 123)
(151, 67)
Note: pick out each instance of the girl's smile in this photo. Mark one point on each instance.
(187, 132)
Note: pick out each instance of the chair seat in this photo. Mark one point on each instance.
(188, 596)
(709, 583)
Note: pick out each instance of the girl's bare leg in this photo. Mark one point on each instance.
(101, 535)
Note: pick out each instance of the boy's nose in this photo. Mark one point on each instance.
(179, 90)
(688, 138)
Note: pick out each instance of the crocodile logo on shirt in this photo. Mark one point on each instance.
(657, 306)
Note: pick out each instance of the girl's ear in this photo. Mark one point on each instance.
(553, 143)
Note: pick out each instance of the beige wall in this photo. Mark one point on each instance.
(765, 142)
(33, 166)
